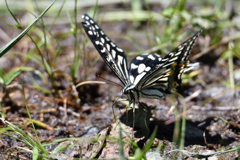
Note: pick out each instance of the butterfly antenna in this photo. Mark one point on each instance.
(97, 75)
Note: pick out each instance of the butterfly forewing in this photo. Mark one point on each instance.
(109, 51)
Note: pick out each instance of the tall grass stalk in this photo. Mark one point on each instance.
(39, 144)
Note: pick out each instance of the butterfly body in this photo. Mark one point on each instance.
(148, 75)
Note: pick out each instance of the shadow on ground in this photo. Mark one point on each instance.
(194, 132)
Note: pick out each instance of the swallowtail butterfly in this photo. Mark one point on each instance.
(148, 75)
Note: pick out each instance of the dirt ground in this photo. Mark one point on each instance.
(212, 107)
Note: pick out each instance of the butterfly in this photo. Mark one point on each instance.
(148, 75)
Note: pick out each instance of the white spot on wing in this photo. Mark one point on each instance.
(139, 58)
(108, 58)
(119, 49)
(173, 59)
(163, 79)
(160, 58)
(90, 32)
(122, 65)
(103, 50)
(96, 26)
(180, 47)
(168, 64)
(148, 69)
(113, 53)
(113, 44)
(180, 75)
(101, 43)
(102, 32)
(102, 39)
(133, 66)
(120, 59)
(107, 38)
(141, 68)
(139, 77)
(91, 21)
(151, 57)
(171, 54)
(108, 47)
(164, 59)
(97, 42)
(178, 53)
(131, 79)
(125, 67)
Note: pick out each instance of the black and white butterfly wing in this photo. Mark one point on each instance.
(141, 67)
(153, 76)
(114, 56)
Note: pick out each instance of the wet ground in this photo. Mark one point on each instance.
(212, 107)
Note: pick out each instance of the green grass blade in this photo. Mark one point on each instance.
(58, 13)
(18, 133)
(95, 8)
(7, 47)
(18, 24)
(11, 75)
(147, 146)
(26, 138)
(183, 128)
(35, 153)
(8, 23)
(7, 78)
(181, 5)
(76, 60)
(2, 76)
(39, 145)
(47, 67)
(121, 143)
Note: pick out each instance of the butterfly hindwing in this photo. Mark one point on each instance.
(163, 74)
(114, 56)
(181, 63)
